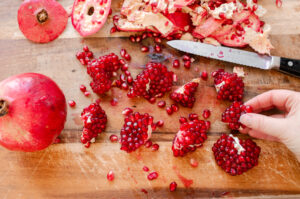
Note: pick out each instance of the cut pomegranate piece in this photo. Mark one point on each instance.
(207, 27)
(42, 21)
(228, 85)
(88, 16)
(154, 81)
(233, 113)
(136, 131)
(190, 136)
(181, 20)
(235, 156)
(185, 94)
(94, 119)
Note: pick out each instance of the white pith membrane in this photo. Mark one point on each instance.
(141, 15)
(182, 88)
(239, 71)
(149, 132)
(218, 86)
(237, 145)
(85, 22)
(180, 139)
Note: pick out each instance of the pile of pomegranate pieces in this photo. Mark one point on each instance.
(226, 22)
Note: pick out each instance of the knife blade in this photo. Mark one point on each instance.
(241, 57)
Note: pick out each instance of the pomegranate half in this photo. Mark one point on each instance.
(32, 112)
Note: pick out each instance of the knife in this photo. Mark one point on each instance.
(242, 57)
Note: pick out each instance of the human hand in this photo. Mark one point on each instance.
(284, 127)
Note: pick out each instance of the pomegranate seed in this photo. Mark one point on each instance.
(178, 36)
(144, 191)
(132, 39)
(157, 40)
(127, 57)
(125, 86)
(193, 116)
(127, 73)
(161, 104)
(174, 107)
(127, 111)
(82, 88)
(182, 120)
(86, 49)
(149, 34)
(235, 156)
(152, 176)
(176, 63)
(155, 147)
(114, 102)
(72, 103)
(160, 123)
(148, 144)
(157, 48)
(204, 75)
(110, 176)
(186, 58)
(169, 38)
(187, 64)
(113, 138)
(193, 162)
(144, 49)
(123, 52)
(173, 186)
(206, 113)
(87, 145)
(138, 39)
(129, 80)
(145, 168)
(113, 30)
(169, 110)
(144, 36)
(94, 119)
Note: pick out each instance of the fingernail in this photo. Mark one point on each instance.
(245, 119)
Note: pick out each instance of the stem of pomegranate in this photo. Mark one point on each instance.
(42, 16)
(3, 107)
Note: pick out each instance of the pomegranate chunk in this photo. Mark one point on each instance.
(136, 131)
(228, 85)
(185, 94)
(94, 119)
(235, 156)
(233, 113)
(154, 81)
(190, 136)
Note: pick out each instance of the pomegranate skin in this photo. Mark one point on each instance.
(36, 112)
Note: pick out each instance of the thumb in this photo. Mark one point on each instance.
(268, 125)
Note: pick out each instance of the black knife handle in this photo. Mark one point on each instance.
(290, 66)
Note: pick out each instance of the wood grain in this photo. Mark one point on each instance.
(68, 170)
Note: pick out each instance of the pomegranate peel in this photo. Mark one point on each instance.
(88, 16)
(42, 21)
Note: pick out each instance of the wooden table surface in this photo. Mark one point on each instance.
(68, 170)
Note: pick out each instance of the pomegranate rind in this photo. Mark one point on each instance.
(181, 20)
(86, 24)
(207, 27)
(42, 32)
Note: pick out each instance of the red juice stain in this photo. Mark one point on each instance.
(186, 182)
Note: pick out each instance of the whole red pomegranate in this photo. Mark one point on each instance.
(32, 112)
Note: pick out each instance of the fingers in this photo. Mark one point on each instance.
(260, 135)
(281, 99)
(259, 124)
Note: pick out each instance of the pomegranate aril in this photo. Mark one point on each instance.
(169, 110)
(127, 57)
(144, 35)
(235, 156)
(132, 39)
(123, 52)
(182, 120)
(82, 88)
(176, 63)
(157, 48)
(110, 176)
(113, 30)
(148, 144)
(124, 66)
(86, 49)
(174, 107)
(161, 104)
(152, 176)
(127, 111)
(206, 113)
(173, 186)
(155, 147)
(125, 86)
(204, 75)
(144, 49)
(186, 58)
(160, 123)
(87, 145)
(193, 116)
(152, 100)
(187, 64)
(145, 168)
(157, 40)
(71, 103)
(86, 93)
(113, 138)
(138, 39)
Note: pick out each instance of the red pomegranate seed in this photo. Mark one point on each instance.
(169, 110)
(144, 49)
(132, 39)
(193, 162)
(127, 111)
(71, 103)
(113, 30)
(157, 40)
(127, 57)
(86, 49)
(138, 39)
(178, 36)
(160, 123)
(110, 176)
(186, 58)
(182, 120)
(113, 138)
(173, 186)
(187, 64)
(114, 102)
(129, 80)
(152, 176)
(176, 63)
(149, 34)
(148, 144)
(122, 78)
(127, 73)
(206, 113)
(174, 107)
(145, 168)
(155, 147)
(144, 36)
(125, 86)
(82, 88)
(161, 104)
(204, 75)
(144, 191)
(123, 52)
(193, 116)
(87, 145)
(157, 48)
(152, 100)
(169, 38)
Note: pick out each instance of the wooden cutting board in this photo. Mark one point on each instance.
(68, 170)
